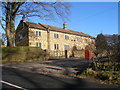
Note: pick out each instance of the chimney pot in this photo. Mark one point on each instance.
(24, 19)
(65, 25)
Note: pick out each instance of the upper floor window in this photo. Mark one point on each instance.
(38, 44)
(21, 36)
(78, 38)
(55, 35)
(56, 46)
(66, 47)
(38, 33)
(66, 37)
(86, 40)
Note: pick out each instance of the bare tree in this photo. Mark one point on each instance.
(43, 10)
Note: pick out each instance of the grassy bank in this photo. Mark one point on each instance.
(23, 54)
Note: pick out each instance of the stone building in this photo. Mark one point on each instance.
(49, 37)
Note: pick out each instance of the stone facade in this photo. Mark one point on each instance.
(50, 38)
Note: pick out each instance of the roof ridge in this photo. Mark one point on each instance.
(45, 26)
(42, 25)
(51, 26)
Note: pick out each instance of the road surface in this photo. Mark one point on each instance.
(20, 77)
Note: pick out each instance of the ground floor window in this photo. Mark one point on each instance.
(56, 46)
(38, 44)
(21, 36)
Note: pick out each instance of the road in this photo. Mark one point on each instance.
(34, 80)
(53, 66)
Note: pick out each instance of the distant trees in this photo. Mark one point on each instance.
(100, 44)
(43, 10)
(107, 45)
(113, 48)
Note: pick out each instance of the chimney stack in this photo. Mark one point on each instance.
(24, 18)
(65, 25)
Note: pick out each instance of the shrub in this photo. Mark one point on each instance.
(103, 75)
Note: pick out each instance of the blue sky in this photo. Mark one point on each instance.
(95, 17)
(88, 17)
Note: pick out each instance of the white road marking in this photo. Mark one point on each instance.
(13, 85)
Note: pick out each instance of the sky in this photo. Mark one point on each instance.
(95, 17)
(88, 17)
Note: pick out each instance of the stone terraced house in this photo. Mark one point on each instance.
(50, 38)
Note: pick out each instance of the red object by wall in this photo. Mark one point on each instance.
(88, 54)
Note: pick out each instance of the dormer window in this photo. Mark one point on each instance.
(21, 36)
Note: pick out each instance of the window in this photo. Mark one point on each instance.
(67, 47)
(55, 35)
(38, 33)
(56, 46)
(21, 36)
(78, 39)
(66, 37)
(86, 40)
(30, 43)
(38, 44)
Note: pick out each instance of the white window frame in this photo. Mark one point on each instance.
(66, 37)
(56, 35)
(38, 44)
(38, 33)
(56, 46)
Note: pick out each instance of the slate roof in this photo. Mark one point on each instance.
(57, 29)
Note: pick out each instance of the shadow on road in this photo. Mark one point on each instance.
(38, 80)
(30, 80)
(79, 65)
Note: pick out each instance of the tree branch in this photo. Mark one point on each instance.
(2, 25)
(17, 6)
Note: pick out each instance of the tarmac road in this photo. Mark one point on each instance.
(29, 80)
(20, 78)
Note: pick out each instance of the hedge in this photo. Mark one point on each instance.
(23, 54)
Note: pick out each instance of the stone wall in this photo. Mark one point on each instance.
(22, 29)
(33, 39)
(61, 41)
(72, 41)
(58, 53)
